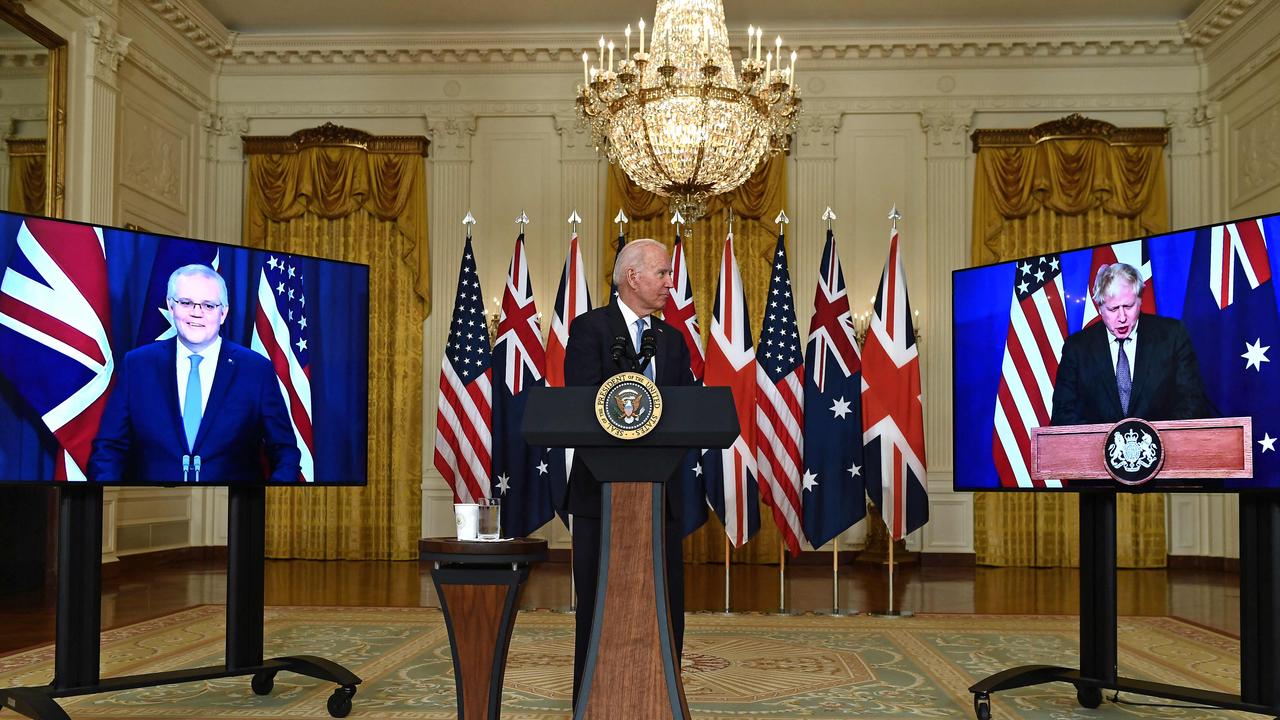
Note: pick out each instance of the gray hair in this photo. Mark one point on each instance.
(196, 269)
(629, 257)
(1108, 275)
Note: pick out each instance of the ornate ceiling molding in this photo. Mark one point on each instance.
(1211, 19)
(539, 49)
(198, 98)
(330, 135)
(196, 24)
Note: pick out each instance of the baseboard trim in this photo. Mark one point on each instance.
(1201, 562)
(143, 560)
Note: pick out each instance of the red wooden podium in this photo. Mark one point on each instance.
(1195, 450)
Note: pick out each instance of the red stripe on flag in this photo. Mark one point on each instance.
(52, 326)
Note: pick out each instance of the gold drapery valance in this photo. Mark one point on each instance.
(1058, 186)
(344, 194)
(27, 176)
(754, 204)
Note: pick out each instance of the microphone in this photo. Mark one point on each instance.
(618, 348)
(648, 348)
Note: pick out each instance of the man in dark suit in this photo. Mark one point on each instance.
(1128, 365)
(195, 408)
(643, 277)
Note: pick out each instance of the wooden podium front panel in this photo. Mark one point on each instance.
(1207, 448)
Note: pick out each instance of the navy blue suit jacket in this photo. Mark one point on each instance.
(588, 360)
(1166, 378)
(141, 439)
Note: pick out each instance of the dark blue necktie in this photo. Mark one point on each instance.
(191, 409)
(1124, 381)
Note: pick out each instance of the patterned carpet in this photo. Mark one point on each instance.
(755, 666)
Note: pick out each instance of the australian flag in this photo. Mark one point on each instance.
(1230, 312)
(157, 322)
(522, 474)
(833, 487)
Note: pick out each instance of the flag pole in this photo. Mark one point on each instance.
(891, 612)
(726, 575)
(782, 577)
(835, 578)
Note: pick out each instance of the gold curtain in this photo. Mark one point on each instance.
(755, 204)
(26, 175)
(342, 194)
(1063, 185)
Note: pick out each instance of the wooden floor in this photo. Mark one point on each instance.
(141, 591)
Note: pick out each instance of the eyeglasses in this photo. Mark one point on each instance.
(189, 305)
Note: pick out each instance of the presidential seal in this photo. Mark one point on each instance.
(1133, 452)
(628, 406)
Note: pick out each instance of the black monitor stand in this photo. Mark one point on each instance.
(79, 623)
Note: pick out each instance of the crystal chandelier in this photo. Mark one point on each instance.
(676, 116)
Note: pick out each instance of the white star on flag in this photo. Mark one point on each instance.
(1255, 354)
(854, 470)
(840, 407)
(809, 481)
(697, 470)
(1267, 442)
(542, 468)
(504, 483)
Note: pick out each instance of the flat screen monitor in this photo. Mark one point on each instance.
(1031, 349)
(134, 358)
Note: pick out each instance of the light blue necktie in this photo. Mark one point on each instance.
(640, 328)
(191, 410)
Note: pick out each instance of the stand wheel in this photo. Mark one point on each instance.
(982, 706)
(1088, 697)
(262, 683)
(340, 701)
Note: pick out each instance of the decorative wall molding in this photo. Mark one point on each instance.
(198, 99)
(196, 24)
(575, 140)
(1190, 129)
(946, 131)
(451, 136)
(826, 46)
(1211, 19)
(153, 159)
(109, 48)
(816, 135)
(1255, 155)
(1246, 70)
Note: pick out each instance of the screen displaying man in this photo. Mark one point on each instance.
(1128, 365)
(195, 408)
(602, 343)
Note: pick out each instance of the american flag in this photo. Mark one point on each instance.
(833, 487)
(523, 473)
(1133, 252)
(1230, 313)
(780, 405)
(572, 299)
(280, 334)
(1032, 349)
(892, 413)
(700, 464)
(55, 333)
(731, 362)
(463, 413)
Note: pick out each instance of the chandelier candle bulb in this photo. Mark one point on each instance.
(759, 39)
(601, 52)
(791, 71)
(627, 33)
(768, 62)
(586, 75)
(610, 56)
(751, 34)
(641, 36)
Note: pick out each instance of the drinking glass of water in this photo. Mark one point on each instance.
(490, 525)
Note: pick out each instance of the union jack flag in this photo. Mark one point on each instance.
(464, 410)
(1032, 349)
(780, 405)
(280, 334)
(835, 496)
(731, 362)
(892, 413)
(572, 299)
(700, 464)
(1133, 252)
(523, 473)
(55, 333)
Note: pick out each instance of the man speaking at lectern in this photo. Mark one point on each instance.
(195, 408)
(1128, 365)
(602, 343)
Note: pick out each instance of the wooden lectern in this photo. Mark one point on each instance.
(631, 669)
(1197, 450)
